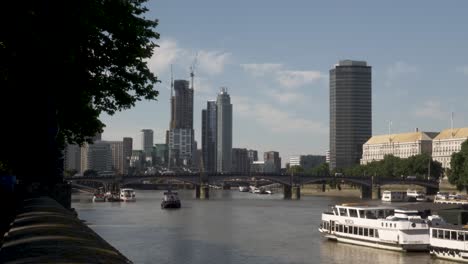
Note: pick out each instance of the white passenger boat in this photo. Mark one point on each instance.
(379, 227)
(127, 195)
(417, 195)
(449, 242)
(170, 200)
(393, 196)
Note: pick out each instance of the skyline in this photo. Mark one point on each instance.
(275, 62)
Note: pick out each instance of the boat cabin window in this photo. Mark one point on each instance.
(446, 234)
(343, 212)
(371, 232)
(466, 236)
(380, 214)
(361, 214)
(360, 231)
(366, 232)
(434, 233)
(355, 230)
(370, 215)
(453, 235)
(461, 236)
(335, 212)
(440, 234)
(352, 212)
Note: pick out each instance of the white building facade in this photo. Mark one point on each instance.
(181, 144)
(446, 143)
(402, 145)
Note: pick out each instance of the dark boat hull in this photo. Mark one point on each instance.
(170, 204)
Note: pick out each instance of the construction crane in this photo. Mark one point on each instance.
(192, 68)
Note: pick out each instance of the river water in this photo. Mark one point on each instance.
(231, 227)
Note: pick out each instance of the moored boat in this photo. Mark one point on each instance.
(381, 227)
(170, 200)
(449, 242)
(393, 196)
(127, 195)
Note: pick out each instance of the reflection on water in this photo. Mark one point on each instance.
(231, 227)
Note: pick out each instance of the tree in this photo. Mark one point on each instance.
(320, 170)
(295, 169)
(63, 63)
(459, 167)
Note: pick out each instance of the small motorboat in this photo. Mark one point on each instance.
(244, 189)
(170, 200)
(127, 195)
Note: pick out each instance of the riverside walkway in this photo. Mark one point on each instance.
(43, 231)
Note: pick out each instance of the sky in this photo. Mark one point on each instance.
(274, 58)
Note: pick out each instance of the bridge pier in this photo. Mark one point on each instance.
(202, 192)
(431, 190)
(296, 193)
(366, 192)
(287, 191)
(376, 194)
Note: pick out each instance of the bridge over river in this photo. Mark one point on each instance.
(370, 186)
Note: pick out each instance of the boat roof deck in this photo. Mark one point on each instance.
(365, 207)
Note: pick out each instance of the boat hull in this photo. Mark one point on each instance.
(453, 256)
(170, 204)
(374, 244)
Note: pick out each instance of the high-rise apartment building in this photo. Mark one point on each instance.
(350, 112)
(147, 137)
(209, 137)
(224, 132)
(72, 158)
(97, 157)
(307, 162)
(127, 153)
(240, 160)
(117, 156)
(180, 137)
(272, 161)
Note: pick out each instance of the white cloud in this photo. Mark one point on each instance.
(286, 78)
(286, 97)
(212, 62)
(273, 118)
(292, 79)
(261, 69)
(398, 70)
(463, 69)
(167, 54)
(430, 109)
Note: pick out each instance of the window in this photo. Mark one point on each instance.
(440, 234)
(353, 213)
(355, 230)
(434, 232)
(345, 229)
(453, 235)
(366, 232)
(371, 232)
(376, 233)
(343, 212)
(446, 234)
(361, 214)
(360, 231)
(461, 236)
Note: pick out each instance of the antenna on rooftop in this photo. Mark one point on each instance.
(451, 124)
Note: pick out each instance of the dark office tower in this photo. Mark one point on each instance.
(224, 132)
(182, 105)
(209, 136)
(350, 112)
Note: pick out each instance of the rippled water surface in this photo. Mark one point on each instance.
(231, 227)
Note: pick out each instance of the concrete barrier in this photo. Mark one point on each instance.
(43, 231)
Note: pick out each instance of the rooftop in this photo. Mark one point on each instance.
(453, 133)
(401, 138)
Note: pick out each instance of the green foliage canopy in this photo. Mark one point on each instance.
(459, 167)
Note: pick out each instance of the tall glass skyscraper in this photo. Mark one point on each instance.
(209, 136)
(350, 112)
(224, 132)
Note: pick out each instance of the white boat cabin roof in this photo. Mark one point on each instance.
(126, 189)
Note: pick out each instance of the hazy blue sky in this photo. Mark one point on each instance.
(275, 57)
